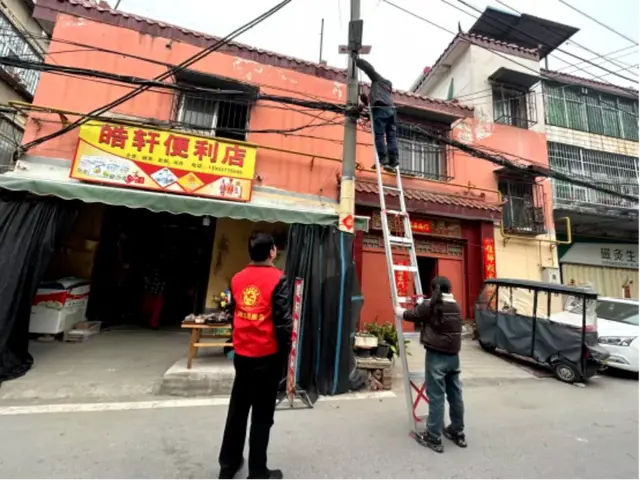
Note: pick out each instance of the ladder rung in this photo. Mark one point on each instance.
(396, 212)
(401, 241)
(405, 299)
(405, 268)
(386, 187)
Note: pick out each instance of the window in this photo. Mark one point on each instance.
(590, 111)
(520, 213)
(617, 172)
(617, 311)
(13, 44)
(419, 155)
(206, 114)
(514, 106)
(10, 137)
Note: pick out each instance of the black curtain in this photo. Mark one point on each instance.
(30, 231)
(323, 257)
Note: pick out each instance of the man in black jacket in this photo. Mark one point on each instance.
(440, 334)
(384, 115)
(262, 341)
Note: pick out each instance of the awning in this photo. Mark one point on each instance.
(517, 78)
(423, 201)
(261, 208)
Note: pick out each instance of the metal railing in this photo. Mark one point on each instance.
(523, 207)
(207, 115)
(10, 138)
(420, 156)
(514, 107)
(13, 44)
(610, 170)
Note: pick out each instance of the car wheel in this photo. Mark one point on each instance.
(488, 348)
(565, 371)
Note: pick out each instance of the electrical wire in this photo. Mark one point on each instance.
(573, 42)
(542, 41)
(477, 44)
(616, 54)
(191, 60)
(598, 22)
(463, 147)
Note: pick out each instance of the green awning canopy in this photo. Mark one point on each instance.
(263, 211)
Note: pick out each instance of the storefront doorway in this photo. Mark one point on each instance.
(427, 269)
(151, 269)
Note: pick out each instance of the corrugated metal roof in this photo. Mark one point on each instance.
(99, 13)
(427, 196)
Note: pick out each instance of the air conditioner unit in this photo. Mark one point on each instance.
(551, 275)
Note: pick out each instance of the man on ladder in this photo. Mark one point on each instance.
(383, 114)
(442, 372)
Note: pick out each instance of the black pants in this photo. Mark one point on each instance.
(255, 387)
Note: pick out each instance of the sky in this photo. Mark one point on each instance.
(401, 44)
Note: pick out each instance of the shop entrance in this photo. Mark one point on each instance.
(151, 269)
(427, 269)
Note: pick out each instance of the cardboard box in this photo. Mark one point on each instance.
(59, 305)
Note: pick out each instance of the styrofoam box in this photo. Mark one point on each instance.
(59, 305)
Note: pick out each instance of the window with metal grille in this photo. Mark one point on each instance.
(521, 212)
(10, 138)
(219, 107)
(13, 44)
(610, 170)
(514, 106)
(209, 115)
(419, 155)
(590, 111)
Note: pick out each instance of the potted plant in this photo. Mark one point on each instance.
(387, 334)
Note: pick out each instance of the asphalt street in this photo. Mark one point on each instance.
(537, 429)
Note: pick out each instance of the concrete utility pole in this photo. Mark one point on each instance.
(346, 212)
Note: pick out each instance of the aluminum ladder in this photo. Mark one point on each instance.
(404, 243)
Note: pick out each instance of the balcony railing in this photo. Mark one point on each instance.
(613, 171)
(13, 44)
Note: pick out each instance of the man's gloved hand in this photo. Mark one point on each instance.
(420, 301)
(399, 312)
(364, 99)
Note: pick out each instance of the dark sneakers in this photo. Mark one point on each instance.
(457, 438)
(426, 440)
(266, 474)
(230, 472)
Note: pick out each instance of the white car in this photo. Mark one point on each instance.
(618, 331)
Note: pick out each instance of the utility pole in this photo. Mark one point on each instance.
(346, 211)
(321, 39)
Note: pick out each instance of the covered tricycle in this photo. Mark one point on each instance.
(553, 325)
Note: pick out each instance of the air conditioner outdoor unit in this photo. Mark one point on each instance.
(551, 275)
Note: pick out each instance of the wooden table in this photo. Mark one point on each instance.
(197, 334)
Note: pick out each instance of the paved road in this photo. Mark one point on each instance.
(537, 429)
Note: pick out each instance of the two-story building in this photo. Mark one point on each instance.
(22, 38)
(168, 186)
(497, 73)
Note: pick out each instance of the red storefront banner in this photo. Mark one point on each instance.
(421, 226)
(489, 257)
(402, 279)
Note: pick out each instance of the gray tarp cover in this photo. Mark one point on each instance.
(516, 334)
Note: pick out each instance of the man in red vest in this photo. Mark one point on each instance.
(262, 341)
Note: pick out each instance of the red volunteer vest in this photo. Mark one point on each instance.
(254, 333)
